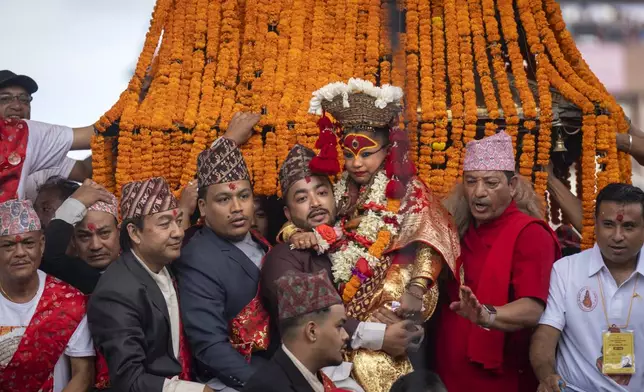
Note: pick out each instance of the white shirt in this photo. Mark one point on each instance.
(47, 146)
(164, 281)
(37, 179)
(311, 378)
(251, 249)
(14, 319)
(575, 308)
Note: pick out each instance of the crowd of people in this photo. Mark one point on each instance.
(372, 284)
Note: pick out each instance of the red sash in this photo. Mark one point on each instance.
(486, 347)
(13, 149)
(249, 329)
(59, 311)
(102, 372)
(185, 356)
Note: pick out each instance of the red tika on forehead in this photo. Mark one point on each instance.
(307, 179)
(620, 214)
(356, 143)
(18, 238)
(91, 227)
(232, 186)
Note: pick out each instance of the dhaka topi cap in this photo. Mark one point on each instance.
(223, 162)
(295, 167)
(299, 294)
(111, 208)
(18, 217)
(140, 198)
(493, 153)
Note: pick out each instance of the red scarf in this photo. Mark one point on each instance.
(185, 356)
(486, 347)
(249, 329)
(58, 313)
(13, 150)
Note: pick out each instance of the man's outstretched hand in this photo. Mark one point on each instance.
(469, 307)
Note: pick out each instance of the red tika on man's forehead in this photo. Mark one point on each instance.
(356, 143)
(91, 227)
(232, 186)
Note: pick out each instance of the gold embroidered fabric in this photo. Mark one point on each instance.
(428, 231)
(426, 221)
(428, 264)
(376, 371)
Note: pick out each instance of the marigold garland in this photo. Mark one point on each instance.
(482, 66)
(468, 79)
(202, 60)
(354, 260)
(453, 153)
(439, 139)
(589, 192)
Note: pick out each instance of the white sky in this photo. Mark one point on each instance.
(80, 52)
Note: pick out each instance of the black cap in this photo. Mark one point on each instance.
(8, 78)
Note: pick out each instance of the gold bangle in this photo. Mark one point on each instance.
(420, 282)
(287, 231)
(417, 296)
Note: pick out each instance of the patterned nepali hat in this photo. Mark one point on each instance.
(222, 162)
(111, 208)
(139, 198)
(490, 153)
(18, 217)
(299, 294)
(295, 167)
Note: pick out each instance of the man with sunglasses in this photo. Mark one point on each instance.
(50, 158)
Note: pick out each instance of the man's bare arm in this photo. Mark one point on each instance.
(82, 138)
(82, 170)
(542, 357)
(517, 315)
(569, 203)
(82, 374)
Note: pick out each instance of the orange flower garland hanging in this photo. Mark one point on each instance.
(202, 60)
(482, 67)
(439, 140)
(457, 100)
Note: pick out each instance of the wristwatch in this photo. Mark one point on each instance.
(491, 310)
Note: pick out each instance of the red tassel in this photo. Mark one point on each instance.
(398, 167)
(326, 138)
(326, 162)
(395, 189)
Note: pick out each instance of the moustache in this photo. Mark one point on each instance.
(481, 201)
(318, 211)
(238, 218)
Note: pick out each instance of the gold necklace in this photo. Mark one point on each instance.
(5, 294)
